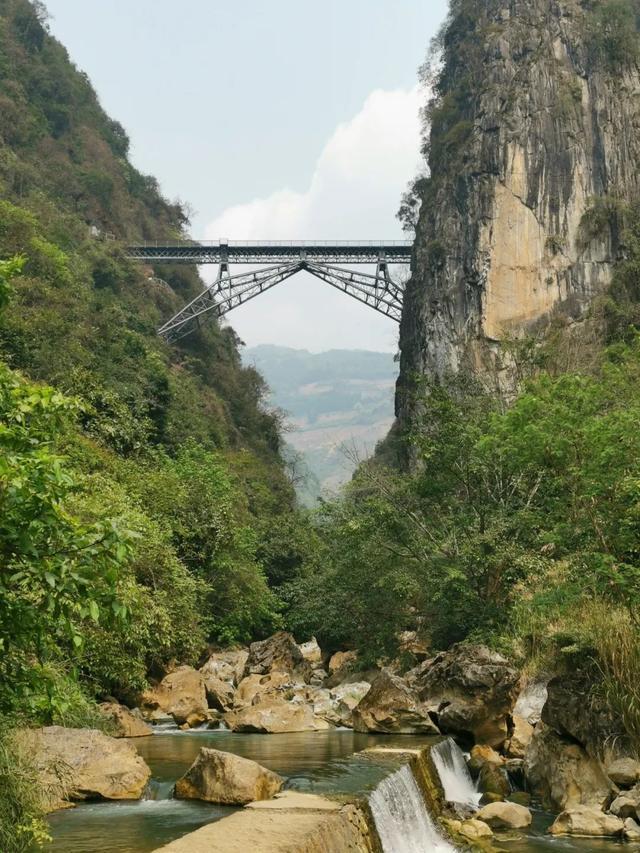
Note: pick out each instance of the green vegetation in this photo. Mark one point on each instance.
(612, 33)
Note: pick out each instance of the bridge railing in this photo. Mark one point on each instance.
(297, 244)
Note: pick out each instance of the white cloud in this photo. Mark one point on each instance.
(353, 194)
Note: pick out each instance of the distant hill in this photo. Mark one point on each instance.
(335, 400)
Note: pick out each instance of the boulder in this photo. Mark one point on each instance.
(278, 653)
(531, 699)
(311, 652)
(94, 765)
(221, 777)
(481, 755)
(586, 821)
(275, 717)
(125, 722)
(562, 774)
(624, 772)
(474, 829)
(521, 733)
(505, 816)
(342, 661)
(471, 690)
(227, 665)
(258, 688)
(351, 694)
(219, 693)
(181, 694)
(631, 830)
(574, 710)
(493, 779)
(392, 707)
(627, 804)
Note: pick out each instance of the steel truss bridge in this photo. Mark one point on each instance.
(278, 261)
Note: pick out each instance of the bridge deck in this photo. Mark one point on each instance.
(261, 252)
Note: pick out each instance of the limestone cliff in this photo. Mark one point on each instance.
(535, 114)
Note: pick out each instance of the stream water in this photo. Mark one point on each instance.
(321, 762)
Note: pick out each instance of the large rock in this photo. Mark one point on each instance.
(586, 821)
(221, 777)
(227, 665)
(279, 653)
(259, 688)
(627, 804)
(125, 723)
(351, 694)
(471, 690)
(391, 706)
(631, 830)
(181, 694)
(93, 765)
(562, 773)
(531, 700)
(520, 736)
(311, 652)
(573, 709)
(624, 772)
(219, 693)
(342, 661)
(275, 717)
(505, 816)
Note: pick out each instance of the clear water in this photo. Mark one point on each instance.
(539, 841)
(401, 817)
(453, 772)
(310, 761)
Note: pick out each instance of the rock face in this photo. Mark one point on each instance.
(472, 691)
(505, 815)
(499, 244)
(181, 694)
(221, 777)
(520, 737)
(97, 766)
(586, 821)
(275, 717)
(258, 688)
(563, 774)
(278, 653)
(126, 723)
(391, 706)
(219, 693)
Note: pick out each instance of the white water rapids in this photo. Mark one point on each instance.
(454, 774)
(401, 817)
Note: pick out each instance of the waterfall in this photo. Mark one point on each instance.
(401, 817)
(454, 774)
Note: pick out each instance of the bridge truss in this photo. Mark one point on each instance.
(282, 260)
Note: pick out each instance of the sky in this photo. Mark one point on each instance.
(287, 119)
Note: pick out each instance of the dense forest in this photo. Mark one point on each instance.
(146, 512)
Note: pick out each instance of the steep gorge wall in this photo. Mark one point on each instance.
(537, 112)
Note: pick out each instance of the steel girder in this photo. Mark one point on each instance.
(228, 292)
(330, 252)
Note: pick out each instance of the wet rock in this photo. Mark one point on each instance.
(126, 723)
(586, 821)
(562, 774)
(472, 691)
(275, 717)
(226, 665)
(520, 738)
(278, 653)
(474, 829)
(493, 779)
(391, 706)
(624, 772)
(627, 804)
(181, 694)
(95, 765)
(221, 777)
(505, 816)
(219, 693)
(631, 830)
(481, 755)
(522, 798)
